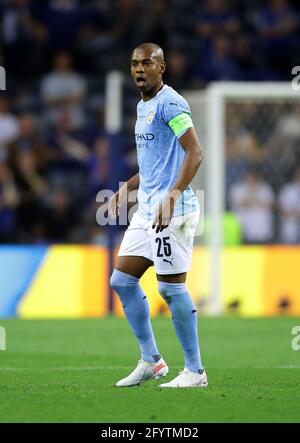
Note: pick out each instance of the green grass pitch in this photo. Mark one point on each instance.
(65, 370)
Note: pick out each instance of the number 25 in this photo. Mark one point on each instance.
(166, 246)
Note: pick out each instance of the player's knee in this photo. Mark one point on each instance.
(178, 299)
(117, 279)
(120, 279)
(169, 290)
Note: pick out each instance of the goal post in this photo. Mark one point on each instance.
(217, 97)
(113, 127)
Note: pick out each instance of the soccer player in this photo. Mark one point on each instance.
(161, 232)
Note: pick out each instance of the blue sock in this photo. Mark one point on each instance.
(184, 316)
(136, 309)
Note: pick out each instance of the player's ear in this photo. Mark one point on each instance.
(163, 67)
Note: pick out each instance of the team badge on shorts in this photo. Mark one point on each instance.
(150, 117)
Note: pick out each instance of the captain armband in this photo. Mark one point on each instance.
(180, 123)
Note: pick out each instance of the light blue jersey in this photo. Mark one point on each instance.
(160, 155)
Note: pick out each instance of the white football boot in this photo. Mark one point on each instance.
(143, 372)
(187, 379)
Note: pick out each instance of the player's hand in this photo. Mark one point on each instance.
(163, 215)
(117, 201)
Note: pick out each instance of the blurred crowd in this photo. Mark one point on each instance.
(54, 153)
(263, 169)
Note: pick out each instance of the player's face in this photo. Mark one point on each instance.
(146, 70)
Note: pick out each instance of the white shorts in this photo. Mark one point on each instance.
(170, 250)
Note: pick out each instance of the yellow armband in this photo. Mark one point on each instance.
(181, 122)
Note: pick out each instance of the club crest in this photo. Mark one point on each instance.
(150, 117)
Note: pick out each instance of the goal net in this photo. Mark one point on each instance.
(250, 134)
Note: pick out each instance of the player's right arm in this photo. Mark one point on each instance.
(121, 195)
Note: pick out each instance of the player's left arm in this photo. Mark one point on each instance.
(193, 158)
